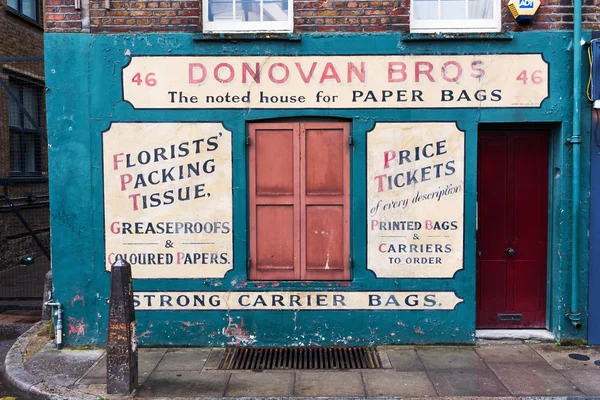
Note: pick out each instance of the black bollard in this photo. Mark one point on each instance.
(121, 344)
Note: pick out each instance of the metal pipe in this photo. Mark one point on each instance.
(574, 315)
(59, 322)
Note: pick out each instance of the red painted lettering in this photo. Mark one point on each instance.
(396, 68)
(379, 179)
(478, 67)
(125, 179)
(134, 198)
(305, 78)
(272, 75)
(387, 157)
(115, 228)
(193, 67)
(445, 71)
(247, 70)
(419, 70)
(117, 160)
(352, 69)
(218, 75)
(329, 72)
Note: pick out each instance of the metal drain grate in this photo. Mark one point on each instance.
(301, 358)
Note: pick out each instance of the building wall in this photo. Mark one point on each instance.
(21, 37)
(81, 122)
(309, 16)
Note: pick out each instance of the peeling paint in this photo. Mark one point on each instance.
(76, 326)
(237, 333)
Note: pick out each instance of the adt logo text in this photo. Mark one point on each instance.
(526, 3)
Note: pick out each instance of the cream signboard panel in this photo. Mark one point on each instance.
(296, 300)
(168, 199)
(415, 190)
(358, 81)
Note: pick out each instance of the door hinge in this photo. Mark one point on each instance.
(350, 141)
(247, 140)
(351, 263)
(249, 264)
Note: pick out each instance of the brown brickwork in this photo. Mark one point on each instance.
(143, 16)
(309, 16)
(61, 16)
(21, 37)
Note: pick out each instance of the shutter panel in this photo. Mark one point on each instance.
(274, 181)
(325, 199)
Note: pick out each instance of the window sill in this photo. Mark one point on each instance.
(25, 18)
(24, 179)
(243, 37)
(414, 37)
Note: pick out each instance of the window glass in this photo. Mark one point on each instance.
(482, 9)
(30, 103)
(13, 4)
(29, 8)
(453, 9)
(15, 152)
(29, 152)
(248, 15)
(425, 9)
(24, 140)
(455, 16)
(14, 113)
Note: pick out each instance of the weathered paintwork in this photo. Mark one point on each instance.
(83, 75)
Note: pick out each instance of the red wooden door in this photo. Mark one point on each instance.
(299, 176)
(512, 228)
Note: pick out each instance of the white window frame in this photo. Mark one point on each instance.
(458, 25)
(228, 26)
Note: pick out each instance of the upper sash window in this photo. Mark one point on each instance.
(231, 16)
(430, 16)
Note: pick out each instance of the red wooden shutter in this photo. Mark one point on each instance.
(299, 201)
(324, 193)
(274, 202)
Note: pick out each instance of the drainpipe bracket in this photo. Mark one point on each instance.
(575, 318)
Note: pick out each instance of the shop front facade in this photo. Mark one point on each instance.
(318, 189)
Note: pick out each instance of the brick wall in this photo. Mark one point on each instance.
(309, 16)
(61, 16)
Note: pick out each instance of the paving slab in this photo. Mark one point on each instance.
(260, 385)
(147, 361)
(328, 384)
(467, 382)
(182, 359)
(393, 383)
(61, 368)
(214, 359)
(184, 384)
(517, 354)
(586, 380)
(534, 380)
(558, 356)
(405, 360)
(436, 358)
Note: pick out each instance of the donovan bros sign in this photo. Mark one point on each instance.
(452, 81)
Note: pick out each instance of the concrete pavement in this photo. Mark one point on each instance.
(489, 369)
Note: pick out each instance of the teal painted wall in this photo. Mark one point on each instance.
(83, 75)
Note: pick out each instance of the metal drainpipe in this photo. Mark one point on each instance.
(575, 140)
